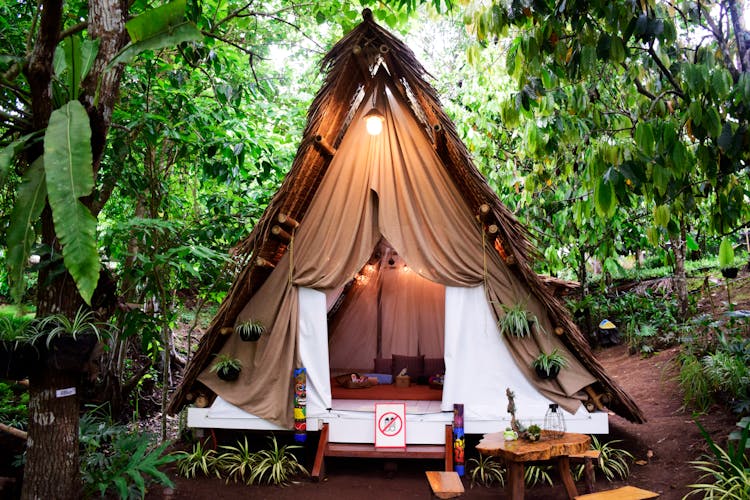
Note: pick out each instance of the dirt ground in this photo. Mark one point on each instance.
(670, 434)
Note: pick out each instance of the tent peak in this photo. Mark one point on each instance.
(366, 14)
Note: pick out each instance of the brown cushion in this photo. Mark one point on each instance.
(414, 365)
(434, 366)
(383, 365)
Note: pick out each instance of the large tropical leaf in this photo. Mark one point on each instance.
(8, 153)
(604, 198)
(158, 28)
(68, 165)
(21, 236)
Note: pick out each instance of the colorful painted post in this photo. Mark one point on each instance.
(300, 405)
(459, 441)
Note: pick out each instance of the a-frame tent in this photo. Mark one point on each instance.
(408, 199)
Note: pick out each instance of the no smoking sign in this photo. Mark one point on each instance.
(390, 425)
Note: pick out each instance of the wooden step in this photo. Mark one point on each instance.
(369, 451)
(445, 484)
(624, 493)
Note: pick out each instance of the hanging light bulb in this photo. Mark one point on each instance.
(375, 118)
(374, 122)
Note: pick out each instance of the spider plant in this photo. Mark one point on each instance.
(549, 365)
(728, 470)
(237, 462)
(516, 320)
(612, 461)
(250, 331)
(201, 460)
(536, 474)
(59, 325)
(486, 471)
(276, 465)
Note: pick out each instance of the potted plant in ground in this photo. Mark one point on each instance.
(726, 259)
(226, 367)
(547, 366)
(250, 331)
(517, 321)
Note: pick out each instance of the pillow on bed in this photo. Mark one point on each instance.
(383, 365)
(414, 365)
(434, 366)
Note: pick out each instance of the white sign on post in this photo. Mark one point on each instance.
(390, 425)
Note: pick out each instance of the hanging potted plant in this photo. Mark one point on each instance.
(548, 366)
(17, 356)
(726, 259)
(226, 367)
(250, 331)
(517, 321)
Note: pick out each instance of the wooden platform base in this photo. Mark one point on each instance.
(422, 451)
(445, 484)
(624, 493)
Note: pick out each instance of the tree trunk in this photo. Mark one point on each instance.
(52, 466)
(679, 279)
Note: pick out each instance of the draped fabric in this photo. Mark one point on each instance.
(392, 186)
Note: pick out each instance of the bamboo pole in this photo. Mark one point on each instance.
(287, 220)
(13, 431)
(280, 234)
(322, 143)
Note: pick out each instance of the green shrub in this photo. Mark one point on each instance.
(727, 472)
(14, 406)
(696, 388)
(236, 462)
(116, 461)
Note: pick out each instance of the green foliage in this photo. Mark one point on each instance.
(486, 471)
(276, 464)
(21, 235)
(158, 28)
(726, 253)
(237, 462)
(115, 461)
(548, 362)
(58, 325)
(226, 361)
(14, 406)
(537, 474)
(726, 472)
(200, 460)
(516, 320)
(696, 388)
(613, 462)
(69, 174)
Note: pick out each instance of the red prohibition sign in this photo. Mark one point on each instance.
(390, 424)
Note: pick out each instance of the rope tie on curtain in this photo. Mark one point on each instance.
(291, 257)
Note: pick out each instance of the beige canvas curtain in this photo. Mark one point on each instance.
(392, 185)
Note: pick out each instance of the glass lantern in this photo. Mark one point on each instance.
(554, 423)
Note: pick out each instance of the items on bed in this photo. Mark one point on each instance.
(356, 381)
(421, 370)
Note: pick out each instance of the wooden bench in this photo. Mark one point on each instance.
(624, 493)
(445, 484)
(357, 450)
(588, 458)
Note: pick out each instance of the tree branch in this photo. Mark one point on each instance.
(665, 71)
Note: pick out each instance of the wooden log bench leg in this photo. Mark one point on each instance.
(589, 476)
(448, 448)
(319, 465)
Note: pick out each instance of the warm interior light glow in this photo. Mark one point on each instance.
(374, 123)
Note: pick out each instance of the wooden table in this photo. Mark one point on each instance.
(516, 453)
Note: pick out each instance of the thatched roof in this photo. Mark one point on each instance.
(350, 66)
